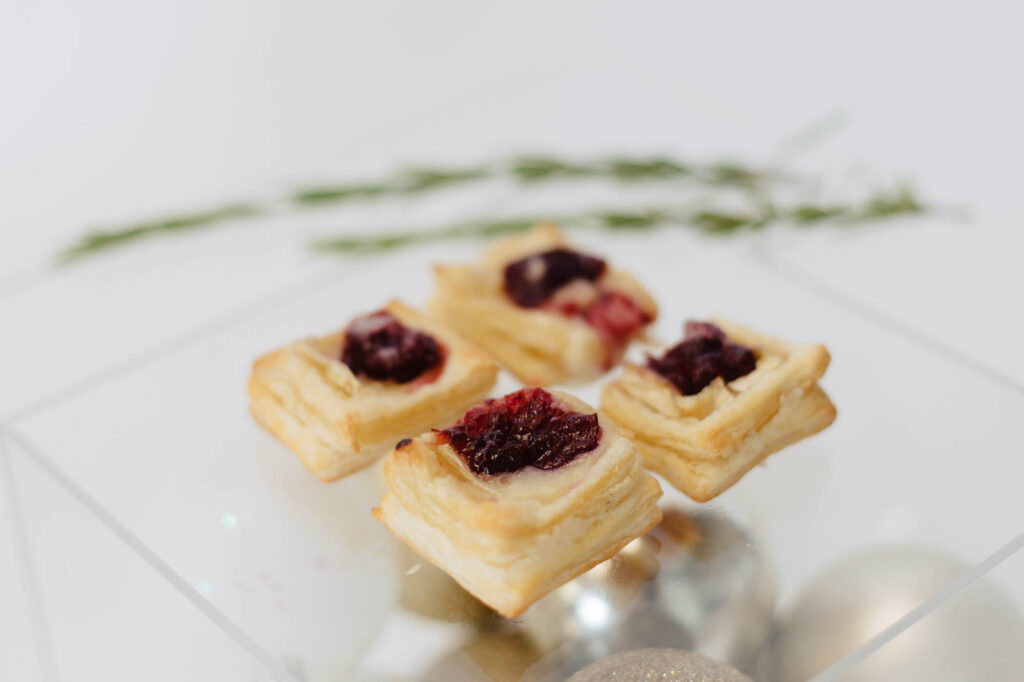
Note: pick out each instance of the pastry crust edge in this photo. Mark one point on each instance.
(577, 352)
(529, 549)
(334, 447)
(711, 454)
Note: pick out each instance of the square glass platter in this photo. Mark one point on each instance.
(90, 607)
(315, 589)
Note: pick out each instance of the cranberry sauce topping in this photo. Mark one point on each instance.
(617, 318)
(380, 347)
(532, 280)
(704, 353)
(524, 429)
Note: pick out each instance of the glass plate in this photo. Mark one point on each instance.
(96, 609)
(298, 573)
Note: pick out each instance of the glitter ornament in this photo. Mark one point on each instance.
(659, 665)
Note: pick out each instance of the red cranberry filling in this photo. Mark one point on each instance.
(532, 280)
(524, 429)
(380, 347)
(617, 318)
(704, 353)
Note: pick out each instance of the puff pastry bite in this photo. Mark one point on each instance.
(718, 403)
(547, 313)
(521, 495)
(340, 401)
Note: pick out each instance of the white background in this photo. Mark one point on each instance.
(112, 110)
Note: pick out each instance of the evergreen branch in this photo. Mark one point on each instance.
(101, 240)
(536, 169)
(884, 204)
(526, 171)
(393, 240)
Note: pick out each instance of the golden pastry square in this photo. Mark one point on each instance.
(511, 538)
(540, 345)
(337, 422)
(704, 443)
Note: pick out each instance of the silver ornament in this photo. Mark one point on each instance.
(663, 665)
(978, 635)
(697, 581)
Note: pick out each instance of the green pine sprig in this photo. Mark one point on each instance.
(537, 169)
(883, 204)
(102, 240)
(527, 171)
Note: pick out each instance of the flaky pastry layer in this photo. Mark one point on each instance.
(338, 423)
(702, 444)
(510, 539)
(540, 347)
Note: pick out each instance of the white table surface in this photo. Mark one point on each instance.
(115, 111)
